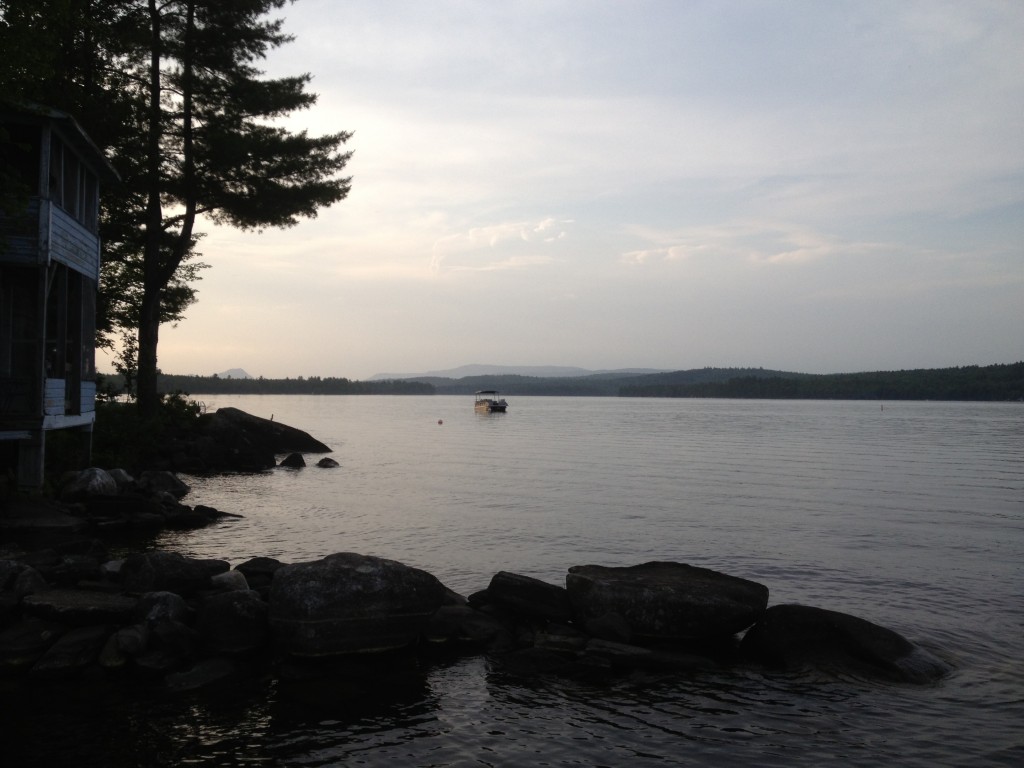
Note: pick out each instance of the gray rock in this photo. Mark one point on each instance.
(793, 636)
(259, 571)
(168, 571)
(327, 463)
(101, 508)
(530, 597)
(161, 481)
(174, 639)
(293, 461)
(666, 601)
(89, 482)
(132, 640)
(73, 652)
(20, 579)
(229, 581)
(280, 438)
(351, 603)
(233, 622)
(462, 624)
(22, 643)
(204, 673)
(180, 517)
(611, 627)
(121, 478)
(156, 606)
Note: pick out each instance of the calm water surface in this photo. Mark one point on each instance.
(911, 515)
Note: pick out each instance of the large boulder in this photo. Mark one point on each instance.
(666, 601)
(234, 439)
(794, 636)
(88, 482)
(350, 603)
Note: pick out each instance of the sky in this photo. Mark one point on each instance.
(800, 185)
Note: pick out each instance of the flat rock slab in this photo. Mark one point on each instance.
(667, 601)
(77, 607)
(793, 636)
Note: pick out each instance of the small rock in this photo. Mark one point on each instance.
(229, 581)
(293, 461)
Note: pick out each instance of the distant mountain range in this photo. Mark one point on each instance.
(971, 382)
(537, 371)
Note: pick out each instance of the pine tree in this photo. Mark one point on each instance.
(211, 148)
(170, 89)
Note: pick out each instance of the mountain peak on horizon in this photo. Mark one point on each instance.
(233, 373)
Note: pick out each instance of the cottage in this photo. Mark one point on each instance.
(49, 274)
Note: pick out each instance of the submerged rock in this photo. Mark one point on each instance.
(798, 635)
(666, 601)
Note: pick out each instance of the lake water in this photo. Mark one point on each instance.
(910, 515)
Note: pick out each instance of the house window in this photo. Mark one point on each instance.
(19, 324)
(20, 152)
(73, 186)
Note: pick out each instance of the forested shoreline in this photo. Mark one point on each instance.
(981, 383)
(1003, 382)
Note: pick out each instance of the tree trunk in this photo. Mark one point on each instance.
(148, 397)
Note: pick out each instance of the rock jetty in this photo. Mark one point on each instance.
(71, 610)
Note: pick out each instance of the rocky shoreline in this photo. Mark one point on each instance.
(68, 609)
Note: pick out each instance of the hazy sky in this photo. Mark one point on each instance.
(811, 186)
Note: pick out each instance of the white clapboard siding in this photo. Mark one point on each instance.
(53, 397)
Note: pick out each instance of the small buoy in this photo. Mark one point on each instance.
(440, 421)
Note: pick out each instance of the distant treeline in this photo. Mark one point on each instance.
(992, 382)
(313, 385)
(972, 382)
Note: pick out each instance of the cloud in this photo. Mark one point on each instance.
(498, 246)
(754, 243)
